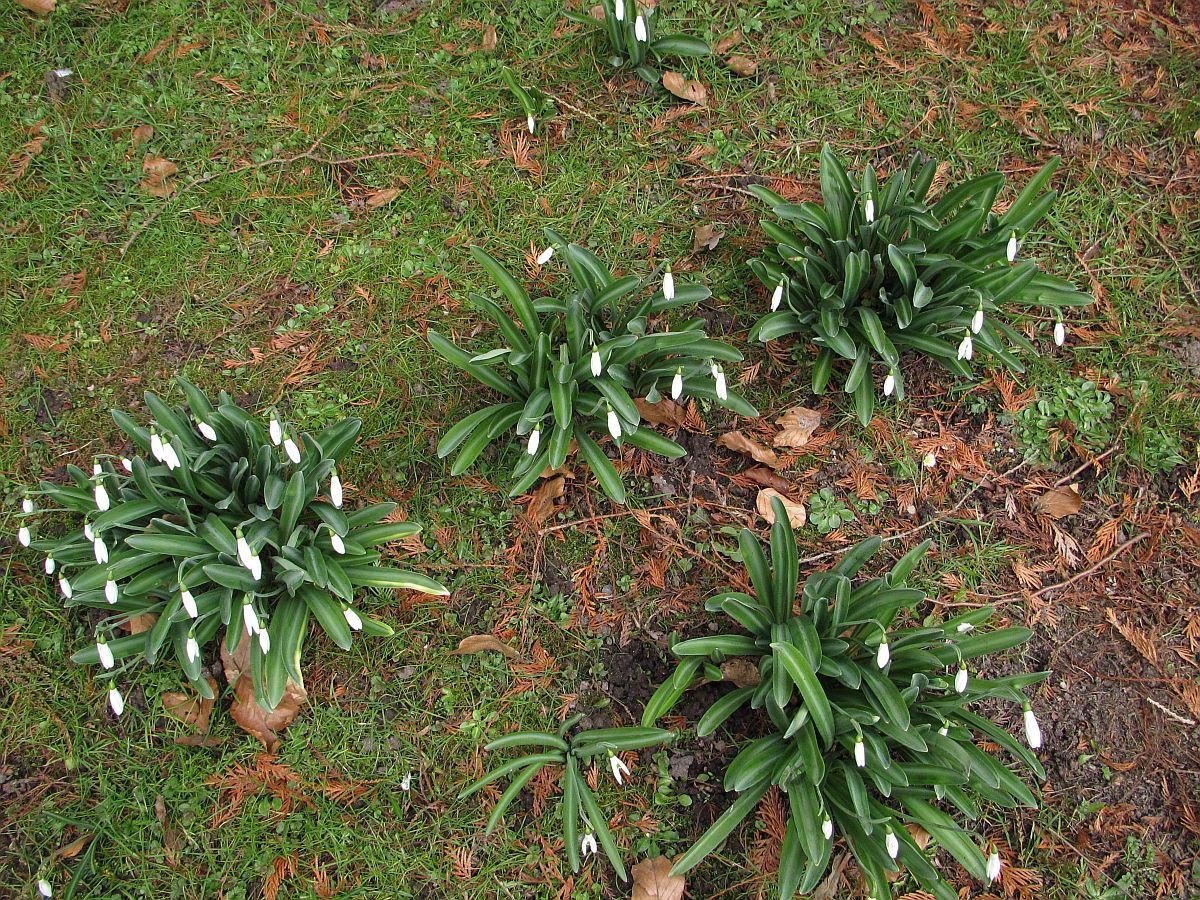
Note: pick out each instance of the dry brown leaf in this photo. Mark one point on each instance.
(727, 43)
(489, 38)
(920, 836)
(739, 443)
(245, 710)
(482, 643)
(685, 88)
(763, 476)
(706, 237)
(742, 672)
(41, 7)
(795, 511)
(798, 425)
(381, 197)
(142, 134)
(156, 176)
(665, 412)
(71, 850)
(652, 880)
(542, 504)
(190, 709)
(144, 622)
(1059, 502)
(741, 65)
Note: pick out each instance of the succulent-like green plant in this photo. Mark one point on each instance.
(573, 753)
(219, 525)
(872, 725)
(878, 269)
(533, 102)
(630, 31)
(572, 366)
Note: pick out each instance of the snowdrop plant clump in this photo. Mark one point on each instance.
(872, 719)
(221, 522)
(584, 825)
(571, 367)
(631, 31)
(880, 268)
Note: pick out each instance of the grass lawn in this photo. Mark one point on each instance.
(278, 200)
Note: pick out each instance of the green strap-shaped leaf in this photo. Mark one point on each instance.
(810, 688)
(329, 614)
(534, 759)
(516, 294)
(598, 822)
(721, 828)
(601, 466)
(377, 576)
(510, 793)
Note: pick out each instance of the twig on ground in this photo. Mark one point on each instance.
(1090, 462)
(1092, 570)
(1182, 720)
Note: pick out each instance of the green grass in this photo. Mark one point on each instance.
(198, 293)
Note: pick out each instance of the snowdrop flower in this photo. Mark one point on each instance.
(406, 781)
(210, 433)
(353, 619)
(1012, 247)
(618, 768)
(100, 549)
(860, 752)
(827, 828)
(677, 385)
(977, 320)
(156, 446)
(255, 566)
(966, 350)
(777, 295)
(44, 888)
(891, 843)
(250, 616)
(189, 602)
(127, 465)
(639, 28)
(961, 679)
(1033, 731)
(170, 457)
(669, 284)
(535, 438)
(101, 495)
(116, 701)
(339, 546)
(111, 594)
(27, 506)
(276, 430)
(49, 565)
(944, 730)
(929, 460)
(719, 377)
(23, 536)
(619, 9)
(889, 384)
(965, 628)
(192, 647)
(290, 448)
(335, 490)
(87, 530)
(993, 866)
(105, 653)
(65, 587)
(545, 256)
(243, 549)
(264, 642)
(530, 123)
(596, 362)
(588, 845)
(883, 657)
(614, 424)
(870, 210)
(1060, 334)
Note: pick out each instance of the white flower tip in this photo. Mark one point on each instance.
(339, 546)
(977, 321)
(892, 843)
(193, 649)
(961, 680)
(105, 653)
(23, 536)
(530, 123)
(27, 506)
(639, 28)
(276, 431)
(116, 701)
(110, 591)
(127, 465)
(264, 642)
(777, 296)
(1033, 731)
(827, 828)
(292, 451)
(860, 753)
(889, 385)
(722, 390)
(545, 255)
(884, 655)
(535, 439)
(619, 9)
(49, 565)
(597, 363)
(677, 386)
(43, 885)
(65, 587)
(1060, 334)
(207, 430)
(870, 210)
(993, 866)
(669, 285)
(352, 619)
(614, 425)
(335, 490)
(1012, 248)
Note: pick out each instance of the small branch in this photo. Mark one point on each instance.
(1090, 462)
(1182, 720)
(1092, 570)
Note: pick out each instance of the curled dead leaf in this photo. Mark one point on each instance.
(157, 176)
(796, 513)
(1059, 502)
(245, 710)
(144, 622)
(381, 197)
(741, 65)
(741, 671)
(685, 88)
(798, 425)
(190, 709)
(706, 237)
(542, 503)
(665, 412)
(142, 134)
(652, 880)
(489, 39)
(763, 476)
(482, 643)
(728, 42)
(41, 7)
(739, 443)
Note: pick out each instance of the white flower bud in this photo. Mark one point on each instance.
(352, 619)
(870, 210)
(535, 438)
(669, 285)
(156, 446)
(116, 701)
(545, 256)
(1033, 731)
(192, 647)
(719, 378)
(889, 384)
(614, 425)
(87, 530)
(111, 593)
(944, 730)
(964, 628)
(966, 350)
(244, 553)
(170, 457)
(264, 642)
(65, 587)
(49, 565)
(250, 617)
(292, 451)
(977, 320)
(993, 866)
(639, 28)
(860, 752)
(961, 680)
(23, 536)
(44, 888)
(619, 9)
(827, 828)
(127, 465)
(891, 843)
(530, 123)
(100, 549)
(335, 490)
(777, 295)
(1060, 334)
(276, 430)
(105, 653)
(339, 546)
(189, 602)
(210, 433)
(677, 385)
(597, 363)
(1012, 248)
(27, 506)
(884, 655)
(101, 495)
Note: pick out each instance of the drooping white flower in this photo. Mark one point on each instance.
(27, 506)
(889, 384)
(105, 653)
(639, 28)
(614, 424)
(339, 546)
(929, 460)
(292, 451)
(597, 364)
(530, 123)
(944, 730)
(535, 439)
(545, 256)
(677, 385)
(1060, 334)
(961, 679)
(87, 530)
(276, 430)
(49, 565)
(406, 781)
(111, 593)
(977, 320)
(156, 446)
(827, 828)
(587, 846)
(44, 888)
(335, 490)
(619, 10)
(353, 619)
(100, 549)
(255, 566)
(719, 377)
(1033, 731)
(189, 602)
(23, 536)
(993, 866)
(264, 641)
(668, 285)
(966, 350)
(618, 768)
(884, 654)
(101, 495)
(1012, 247)
(127, 464)
(964, 628)
(65, 587)
(870, 210)
(777, 295)
(116, 701)
(192, 647)
(243, 549)
(210, 433)
(860, 752)
(170, 457)
(250, 617)
(891, 843)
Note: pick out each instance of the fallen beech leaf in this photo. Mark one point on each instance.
(919, 835)
(142, 134)
(798, 425)
(665, 412)
(190, 709)
(763, 476)
(741, 65)
(157, 173)
(597, 12)
(482, 643)
(245, 710)
(72, 849)
(727, 43)
(382, 197)
(684, 88)
(41, 7)
(739, 443)
(795, 511)
(542, 504)
(489, 38)
(1059, 502)
(565, 469)
(205, 218)
(706, 237)
(742, 672)
(144, 622)
(652, 880)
